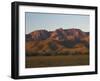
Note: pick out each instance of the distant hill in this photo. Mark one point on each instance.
(58, 42)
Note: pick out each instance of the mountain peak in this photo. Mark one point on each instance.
(59, 34)
(74, 29)
(39, 35)
(60, 29)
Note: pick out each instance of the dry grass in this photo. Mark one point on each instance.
(51, 61)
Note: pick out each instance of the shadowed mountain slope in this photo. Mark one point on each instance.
(58, 42)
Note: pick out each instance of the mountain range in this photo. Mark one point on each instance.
(57, 42)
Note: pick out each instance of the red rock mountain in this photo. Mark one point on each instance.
(58, 41)
(38, 35)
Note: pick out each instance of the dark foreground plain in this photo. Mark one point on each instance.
(53, 61)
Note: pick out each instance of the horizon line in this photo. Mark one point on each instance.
(55, 30)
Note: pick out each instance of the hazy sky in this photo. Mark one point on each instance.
(50, 22)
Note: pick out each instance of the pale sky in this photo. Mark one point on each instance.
(49, 21)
